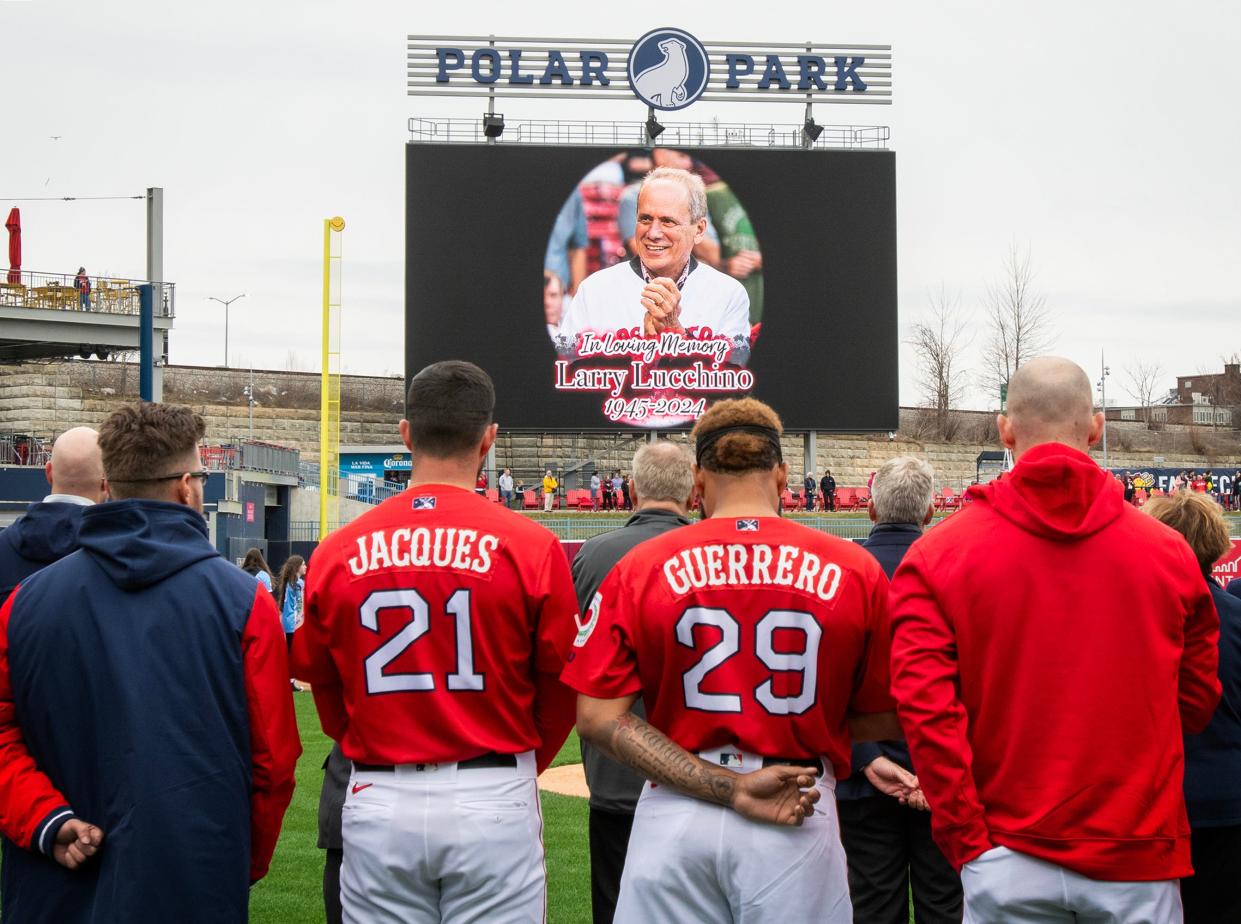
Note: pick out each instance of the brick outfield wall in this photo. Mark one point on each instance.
(45, 399)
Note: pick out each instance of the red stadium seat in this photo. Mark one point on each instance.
(951, 500)
(529, 500)
(786, 500)
(493, 495)
(583, 500)
(846, 498)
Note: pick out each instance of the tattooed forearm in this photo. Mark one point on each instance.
(635, 742)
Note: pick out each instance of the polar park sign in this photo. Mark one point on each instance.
(667, 69)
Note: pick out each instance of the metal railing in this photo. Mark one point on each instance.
(633, 134)
(58, 291)
(20, 449)
(251, 455)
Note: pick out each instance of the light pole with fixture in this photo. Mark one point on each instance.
(225, 303)
(1102, 386)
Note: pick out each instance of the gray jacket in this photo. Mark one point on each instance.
(613, 787)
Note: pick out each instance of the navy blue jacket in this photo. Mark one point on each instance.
(47, 533)
(888, 542)
(1213, 757)
(1234, 587)
(135, 665)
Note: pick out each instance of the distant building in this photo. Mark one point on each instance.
(1221, 389)
(1212, 400)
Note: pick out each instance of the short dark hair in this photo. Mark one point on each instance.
(449, 406)
(142, 441)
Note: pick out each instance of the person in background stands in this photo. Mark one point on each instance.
(663, 481)
(594, 490)
(625, 491)
(255, 565)
(609, 499)
(828, 488)
(550, 484)
(81, 283)
(48, 531)
(888, 844)
(809, 486)
(1212, 757)
(480, 484)
(617, 481)
(289, 592)
(505, 482)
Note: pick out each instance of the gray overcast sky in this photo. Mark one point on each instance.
(1106, 136)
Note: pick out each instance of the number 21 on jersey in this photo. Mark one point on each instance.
(379, 680)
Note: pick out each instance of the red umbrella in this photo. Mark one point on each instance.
(14, 226)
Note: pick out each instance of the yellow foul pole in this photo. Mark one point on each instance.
(329, 385)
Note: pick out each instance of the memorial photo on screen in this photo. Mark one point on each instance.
(652, 258)
(779, 283)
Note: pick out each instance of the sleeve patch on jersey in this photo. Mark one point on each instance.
(747, 526)
(586, 629)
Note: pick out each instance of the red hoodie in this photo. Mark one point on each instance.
(1050, 644)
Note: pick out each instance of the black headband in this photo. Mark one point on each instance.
(770, 434)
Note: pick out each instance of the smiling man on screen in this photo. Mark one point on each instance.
(664, 288)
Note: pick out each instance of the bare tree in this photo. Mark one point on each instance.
(939, 341)
(1019, 321)
(1142, 381)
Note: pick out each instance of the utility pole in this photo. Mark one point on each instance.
(248, 391)
(226, 302)
(1102, 384)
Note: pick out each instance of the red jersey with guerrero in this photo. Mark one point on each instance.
(436, 627)
(756, 633)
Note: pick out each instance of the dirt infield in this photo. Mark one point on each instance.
(569, 780)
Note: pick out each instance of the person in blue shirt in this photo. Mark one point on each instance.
(289, 586)
(1212, 757)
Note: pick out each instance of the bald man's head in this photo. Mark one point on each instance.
(77, 465)
(1050, 401)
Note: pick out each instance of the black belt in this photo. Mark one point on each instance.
(482, 761)
(815, 762)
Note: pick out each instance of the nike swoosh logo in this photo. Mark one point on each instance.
(358, 787)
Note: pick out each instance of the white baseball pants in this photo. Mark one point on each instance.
(1005, 886)
(690, 860)
(431, 842)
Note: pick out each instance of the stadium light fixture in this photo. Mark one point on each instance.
(653, 128)
(493, 124)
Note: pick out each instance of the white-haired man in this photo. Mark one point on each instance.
(663, 483)
(888, 840)
(664, 288)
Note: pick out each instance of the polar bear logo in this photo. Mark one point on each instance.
(663, 84)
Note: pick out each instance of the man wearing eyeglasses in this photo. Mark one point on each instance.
(147, 736)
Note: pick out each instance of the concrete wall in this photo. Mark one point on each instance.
(46, 398)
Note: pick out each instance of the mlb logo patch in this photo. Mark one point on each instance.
(729, 758)
(747, 526)
(424, 502)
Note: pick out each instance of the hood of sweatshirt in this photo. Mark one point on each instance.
(141, 542)
(47, 533)
(1055, 492)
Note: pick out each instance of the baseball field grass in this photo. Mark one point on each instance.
(292, 892)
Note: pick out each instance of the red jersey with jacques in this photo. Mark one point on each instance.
(436, 626)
